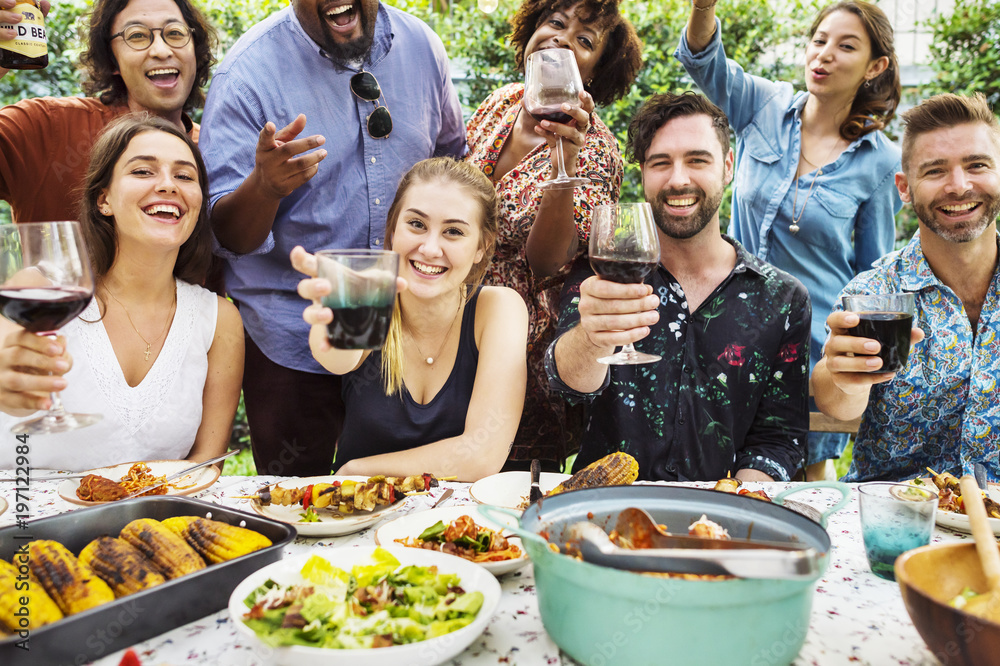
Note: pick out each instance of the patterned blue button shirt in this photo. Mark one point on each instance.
(943, 409)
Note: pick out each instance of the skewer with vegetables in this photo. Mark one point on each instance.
(950, 494)
(347, 496)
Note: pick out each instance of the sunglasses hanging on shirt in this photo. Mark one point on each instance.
(379, 122)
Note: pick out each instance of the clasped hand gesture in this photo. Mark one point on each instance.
(280, 165)
(574, 133)
(852, 362)
(31, 367)
(613, 314)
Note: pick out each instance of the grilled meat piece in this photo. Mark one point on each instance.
(94, 488)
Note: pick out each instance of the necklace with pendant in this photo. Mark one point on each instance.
(429, 360)
(794, 226)
(149, 344)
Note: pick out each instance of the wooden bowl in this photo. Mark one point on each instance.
(929, 577)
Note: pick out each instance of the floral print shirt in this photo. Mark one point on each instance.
(730, 392)
(943, 409)
(543, 433)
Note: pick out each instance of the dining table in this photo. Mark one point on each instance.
(857, 617)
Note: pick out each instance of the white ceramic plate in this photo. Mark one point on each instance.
(510, 489)
(3, 505)
(411, 525)
(194, 482)
(960, 522)
(330, 523)
(426, 653)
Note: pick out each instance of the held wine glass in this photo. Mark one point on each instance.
(624, 248)
(45, 281)
(552, 79)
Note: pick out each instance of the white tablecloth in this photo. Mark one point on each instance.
(857, 618)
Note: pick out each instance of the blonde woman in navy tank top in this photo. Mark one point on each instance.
(445, 392)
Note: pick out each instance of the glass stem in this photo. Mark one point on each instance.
(56, 410)
(628, 349)
(560, 161)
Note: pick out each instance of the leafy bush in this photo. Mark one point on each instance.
(966, 52)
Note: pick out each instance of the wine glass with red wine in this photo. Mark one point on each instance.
(45, 282)
(624, 248)
(551, 79)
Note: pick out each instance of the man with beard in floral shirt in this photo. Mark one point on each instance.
(942, 410)
(730, 393)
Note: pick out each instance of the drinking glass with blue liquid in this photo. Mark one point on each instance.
(895, 518)
(362, 295)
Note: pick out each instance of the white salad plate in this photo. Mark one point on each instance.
(510, 489)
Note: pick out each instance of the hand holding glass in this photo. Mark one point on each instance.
(362, 295)
(624, 248)
(45, 282)
(887, 319)
(551, 79)
(895, 518)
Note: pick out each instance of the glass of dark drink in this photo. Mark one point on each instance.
(363, 293)
(551, 79)
(45, 282)
(887, 319)
(624, 248)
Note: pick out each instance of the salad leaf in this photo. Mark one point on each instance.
(434, 532)
(309, 516)
(383, 564)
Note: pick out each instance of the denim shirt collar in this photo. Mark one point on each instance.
(381, 42)
(799, 103)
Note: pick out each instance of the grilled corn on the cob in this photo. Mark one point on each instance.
(39, 609)
(214, 540)
(120, 565)
(72, 585)
(616, 469)
(169, 553)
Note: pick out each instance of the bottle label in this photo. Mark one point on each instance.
(30, 39)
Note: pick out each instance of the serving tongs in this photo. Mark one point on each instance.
(670, 553)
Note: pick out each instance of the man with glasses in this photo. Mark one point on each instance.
(372, 84)
(142, 55)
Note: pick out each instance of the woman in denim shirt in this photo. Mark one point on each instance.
(814, 192)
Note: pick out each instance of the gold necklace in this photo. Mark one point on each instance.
(430, 359)
(149, 344)
(794, 226)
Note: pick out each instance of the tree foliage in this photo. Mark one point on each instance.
(966, 50)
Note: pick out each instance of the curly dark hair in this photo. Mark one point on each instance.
(622, 58)
(195, 254)
(99, 64)
(660, 109)
(875, 103)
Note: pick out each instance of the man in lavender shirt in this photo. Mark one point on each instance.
(373, 83)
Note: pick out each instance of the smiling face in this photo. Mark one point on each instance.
(438, 238)
(344, 28)
(562, 29)
(158, 78)
(953, 181)
(684, 175)
(154, 195)
(839, 56)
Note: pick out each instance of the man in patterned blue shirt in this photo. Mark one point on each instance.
(942, 410)
(729, 395)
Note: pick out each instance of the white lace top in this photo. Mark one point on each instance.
(156, 420)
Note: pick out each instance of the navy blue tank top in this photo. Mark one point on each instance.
(375, 423)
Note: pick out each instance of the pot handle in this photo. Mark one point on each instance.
(843, 488)
(498, 514)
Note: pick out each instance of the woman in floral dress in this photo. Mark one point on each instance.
(542, 233)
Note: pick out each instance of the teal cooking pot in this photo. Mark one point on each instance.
(601, 616)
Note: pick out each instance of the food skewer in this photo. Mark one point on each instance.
(347, 496)
(951, 495)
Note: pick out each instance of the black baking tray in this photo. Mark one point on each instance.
(113, 626)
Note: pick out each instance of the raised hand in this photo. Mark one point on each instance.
(574, 133)
(852, 362)
(614, 314)
(31, 367)
(282, 161)
(9, 17)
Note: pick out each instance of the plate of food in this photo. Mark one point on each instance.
(416, 606)
(457, 530)
(109, 484)
(336, 505)
(951, 513)
(510, 489)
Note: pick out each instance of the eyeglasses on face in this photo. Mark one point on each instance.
(139, 38)
(379, 121)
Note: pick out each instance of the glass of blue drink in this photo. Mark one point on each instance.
(362, 295)
(887, 319)
(895, 518)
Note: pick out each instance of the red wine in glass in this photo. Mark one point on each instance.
(43, 310)
(622, 270)
(553, 114)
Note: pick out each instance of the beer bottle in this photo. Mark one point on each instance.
(28, 50)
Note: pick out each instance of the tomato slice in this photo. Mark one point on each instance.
(307, 497)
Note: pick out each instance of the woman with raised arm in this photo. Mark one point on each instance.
(158, 356)
(814, 192)
(542, 232)
(444, 393)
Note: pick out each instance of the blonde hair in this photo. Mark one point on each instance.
(475, 183)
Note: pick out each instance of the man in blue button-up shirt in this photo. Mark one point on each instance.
(273, 187)
(942, 410)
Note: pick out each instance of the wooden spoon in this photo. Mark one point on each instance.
(986, 605)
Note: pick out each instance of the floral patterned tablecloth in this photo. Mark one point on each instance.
(857, 618)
